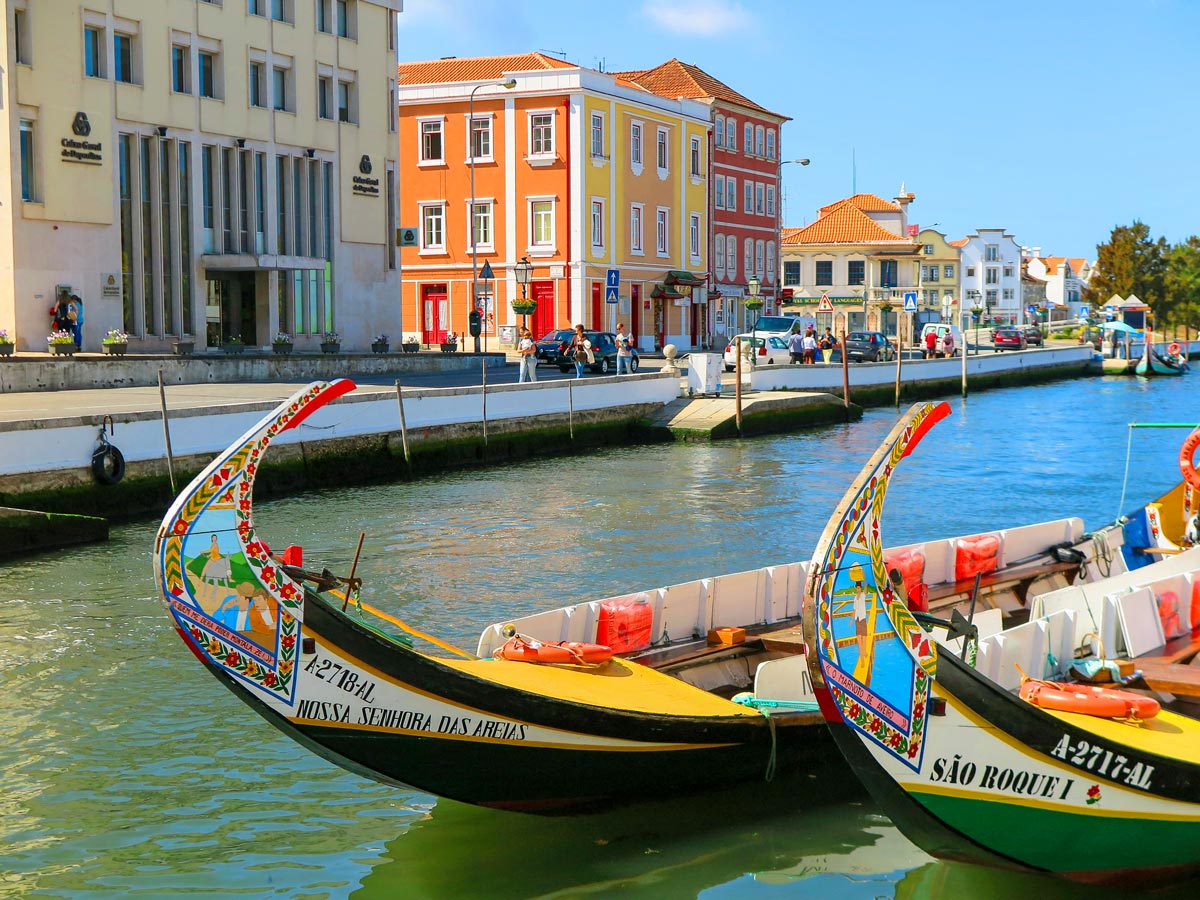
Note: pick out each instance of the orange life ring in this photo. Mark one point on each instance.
(1174, 349)
(1091, 700)
(570, 653)
(1186, 464)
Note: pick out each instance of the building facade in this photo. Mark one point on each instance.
(991, 276)
(598, 183)
(938, 299)
(199, 170)
(1063, 280)
(744, 208)
(859, 256)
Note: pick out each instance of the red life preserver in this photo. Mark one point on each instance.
(1174, 349)
(1091, 700)
(1186, 464)
(569, 653)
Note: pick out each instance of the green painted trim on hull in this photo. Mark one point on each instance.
(1068, 843)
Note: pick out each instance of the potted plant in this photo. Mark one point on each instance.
(115, 342)
(450, 344)
(524, 307)
(281, 344)
(379, 344)
(6, 343)
(754, 303)
(61, 343)
(233, 344)
(330, 342)
(411, 344)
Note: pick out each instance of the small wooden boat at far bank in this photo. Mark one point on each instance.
(1094, 784)
(1154, 363)
(662, 692)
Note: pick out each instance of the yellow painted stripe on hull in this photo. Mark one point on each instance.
(942, 790)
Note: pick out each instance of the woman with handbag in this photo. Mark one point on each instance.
(580, 351)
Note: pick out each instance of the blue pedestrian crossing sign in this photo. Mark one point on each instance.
(910, 301)
(611, 295)
(613, 278)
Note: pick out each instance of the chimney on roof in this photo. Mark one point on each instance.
(902, 200)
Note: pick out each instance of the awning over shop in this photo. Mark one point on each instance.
(665, 292)
(684, 279)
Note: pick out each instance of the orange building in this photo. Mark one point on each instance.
(598, 183)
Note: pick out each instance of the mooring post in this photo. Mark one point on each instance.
(737, 389)
(403, 424)
(899, 354)
(483, 368)
(845, 373)
(571, 406)
(162, 400)
(964, 366)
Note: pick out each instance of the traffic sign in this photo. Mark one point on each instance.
(613, 280)
(610, 294)
(910, 301)
(486, 272)
(825, 306)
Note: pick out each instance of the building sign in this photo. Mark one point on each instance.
(110, 286)
(79, 150)
(364, 185)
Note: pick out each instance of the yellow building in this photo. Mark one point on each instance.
(199, 170)
(939, 275)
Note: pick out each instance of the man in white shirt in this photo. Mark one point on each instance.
(624, 350)
(527, 350)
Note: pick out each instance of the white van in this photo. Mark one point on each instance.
(941, 328)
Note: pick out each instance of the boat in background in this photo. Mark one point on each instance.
(1154, 363)
(965, 766)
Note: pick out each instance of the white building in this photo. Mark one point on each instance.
(991, 275)
(1064, 279)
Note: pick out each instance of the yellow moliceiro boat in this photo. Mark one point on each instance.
(966, 768)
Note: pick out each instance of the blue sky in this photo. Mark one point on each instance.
(1055, 120)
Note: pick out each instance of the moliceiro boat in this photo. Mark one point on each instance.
(1006, 762)
(1154, 363)
(666, 690)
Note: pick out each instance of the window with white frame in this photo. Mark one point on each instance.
(769, 275)
(731, 134)
(928, 249)
(992, 275)
(324, 97)
(1008, 271)
(662, 154)
(325, 16)
(636, 212)
(635, 143)
(791, 272)
(392, 115)
(481, 139)
(719, 255)
(759, 198)
(21, 43)
(281, 11)
(347, 101)
(970, 271)
(181, 69)
(770, 199)
(748, 197)
(748, 257)
(770, 143)
(95, 64)
(719, 191)
(597, 136)
(760, 250)
(748, 139)
(210, 74)
(694, 235)
(760, 141)
(597, 224)
(731, 194)
(991, 252)
(433, 226)
(431, 149)
(694, 157)
(541, 134)
(258, 84)
(125, 64)
(1008, 293)
(541, 216)
(731, 251)
(483, 219)
(719, 132)
(30, 192)
(661, 230)
(281, 88)
(991, 298)
(346, 18)
(948, 272)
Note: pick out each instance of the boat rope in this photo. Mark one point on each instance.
(1103, 559)
(1125, 480)
(770, 773)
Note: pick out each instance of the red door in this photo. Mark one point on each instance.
(544, 317)
(434, 313)
(635, 311)
(597, 322)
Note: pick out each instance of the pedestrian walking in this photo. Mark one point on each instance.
(931, 343)
(581, 351)
(948, 343)
(795, 343)
(810, 346)
(624, 350)
(75, 311)
(527, 365)
(60, 314)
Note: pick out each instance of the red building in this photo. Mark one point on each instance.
(745, 217)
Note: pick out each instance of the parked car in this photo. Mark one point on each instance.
(604, 349)
(1033, 335)
(769, 350)
(941, 328)
(551, 344)
(869, 346)
(1008, 337)
(779, 326)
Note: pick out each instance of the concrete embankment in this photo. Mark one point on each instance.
(25, 531)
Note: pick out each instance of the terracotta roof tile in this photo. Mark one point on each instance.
(865, 202)
(679, 79)
(844, 224)
(476, 68)
(961, 242)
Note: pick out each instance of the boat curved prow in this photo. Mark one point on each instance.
(232, 602)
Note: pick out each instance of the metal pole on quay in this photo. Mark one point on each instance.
(471, 148)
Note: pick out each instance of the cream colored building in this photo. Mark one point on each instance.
(200, 169)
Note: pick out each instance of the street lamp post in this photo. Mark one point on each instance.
(509, 84)
(753, 302)
(523, 271)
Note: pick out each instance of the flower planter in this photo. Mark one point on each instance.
(330, 346)
(62, 349)
(114, 349)
(379, 347)
(7, 349)
(281, 349)
(411, 346)
(183, 348)
(525, 309)
(233, 349)
(449, 348)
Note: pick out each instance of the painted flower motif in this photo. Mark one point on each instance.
(214, 647)
(288, 641)
(181, 526)
(288, 592)
(1093, 794)
(244, 504)
(232, 659)
(893, 739)
(269, 679)
(285, 669)
(251, 668)
(243, 529)
(853, 710)
(250, 468)
(913, 749)
(919, 710)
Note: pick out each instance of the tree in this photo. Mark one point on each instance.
(1130, 263)
(1183, 285)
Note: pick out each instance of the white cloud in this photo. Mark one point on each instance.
(702, 18)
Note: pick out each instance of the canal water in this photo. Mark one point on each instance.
(126, 770)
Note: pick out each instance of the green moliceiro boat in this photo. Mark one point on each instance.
(968, 770)
(1154, 363)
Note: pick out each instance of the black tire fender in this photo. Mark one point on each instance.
(108, 464)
